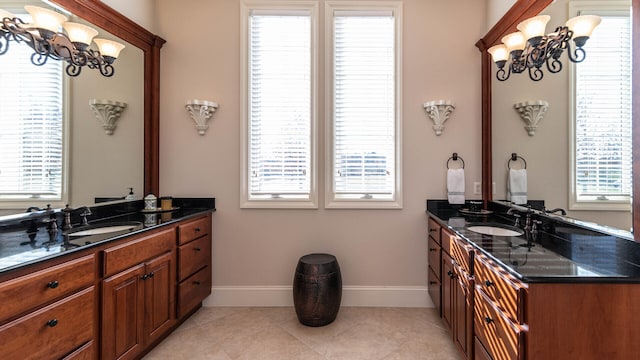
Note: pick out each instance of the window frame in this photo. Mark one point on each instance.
(332, 201)
(601, 8)
(284, 6)
(63, 199)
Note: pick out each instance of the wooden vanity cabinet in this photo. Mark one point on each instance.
(434, 271)
(138, 294)
(50, 313)
(457, 291)
(498, 311)
(194, 264)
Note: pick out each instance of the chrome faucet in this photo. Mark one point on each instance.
(561, 211)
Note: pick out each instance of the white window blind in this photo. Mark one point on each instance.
(603, 142)
(279, 101)
(31, 124)
(364, 105)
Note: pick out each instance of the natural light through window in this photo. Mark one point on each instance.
(279, 118)
(31, 127)
(602, 95)
(364, 112)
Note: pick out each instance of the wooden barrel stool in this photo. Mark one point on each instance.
(317, 289)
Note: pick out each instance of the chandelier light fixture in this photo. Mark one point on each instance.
(43, 35)
(530, 49)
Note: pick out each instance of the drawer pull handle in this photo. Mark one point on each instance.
(488, 320)
(433, 282)
(197, 249)
(53, 284)
(52, 322)
(432, 249)
(432, 230)
(489, 283)
(196, 283)
(198, 229)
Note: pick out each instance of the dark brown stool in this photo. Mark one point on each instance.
(317, 289)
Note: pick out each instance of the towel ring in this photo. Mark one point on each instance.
(515, 157)
(455, 157)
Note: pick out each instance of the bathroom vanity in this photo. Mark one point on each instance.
(104, 295)
(558, 290)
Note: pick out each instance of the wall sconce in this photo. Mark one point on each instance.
(108, 112)
(201, 111)
(530, 49)
(439, 111)
(47, 42)
(532, 113)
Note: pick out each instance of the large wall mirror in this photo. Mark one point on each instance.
(101, 165)
(548, 151)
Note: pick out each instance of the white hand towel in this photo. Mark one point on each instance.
(455, 186)
(517, 186)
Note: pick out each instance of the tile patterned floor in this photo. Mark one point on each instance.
(274, 333)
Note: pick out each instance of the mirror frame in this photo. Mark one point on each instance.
(105, 17)
(522, 10)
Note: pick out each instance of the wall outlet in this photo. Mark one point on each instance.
(477, 188)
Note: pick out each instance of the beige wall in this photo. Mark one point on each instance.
(261, 247)
(496, 9)
(547, 152)
(140, 11)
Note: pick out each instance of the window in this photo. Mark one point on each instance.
(602, 143)
(363, 80)
(31, 128)
(279, 107)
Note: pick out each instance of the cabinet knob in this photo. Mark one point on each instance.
(489, 283)
(488, 320)
(144, 277)
(52, 322)
(151, 274)
(451, 274)
(53, 284)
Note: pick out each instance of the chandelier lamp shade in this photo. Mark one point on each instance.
(45, 37)
(529, 49)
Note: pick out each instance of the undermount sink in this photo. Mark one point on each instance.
(495, 229)
(108, 228)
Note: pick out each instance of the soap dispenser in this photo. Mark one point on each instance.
(131, 195)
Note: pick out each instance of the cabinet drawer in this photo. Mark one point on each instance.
(193, 290)
(462, 254)
(502, 339)
(434, 257)
(193, 256)
(506, 291)
(194, 229)
(30, 291)
(134, 252)
(445, 241)
(51, 332)
(434, 230)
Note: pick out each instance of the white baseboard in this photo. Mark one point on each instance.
(377, 296)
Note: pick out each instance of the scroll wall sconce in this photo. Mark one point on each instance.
(439, 111)
(108, 112)
(48, 42)
(201, 111)
(532, 112)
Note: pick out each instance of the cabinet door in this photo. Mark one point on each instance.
(123, 314)
(447, 290)
(159, 285)
(463, 312)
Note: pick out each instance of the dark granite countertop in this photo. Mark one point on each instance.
(20, 245)
(562, 251)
